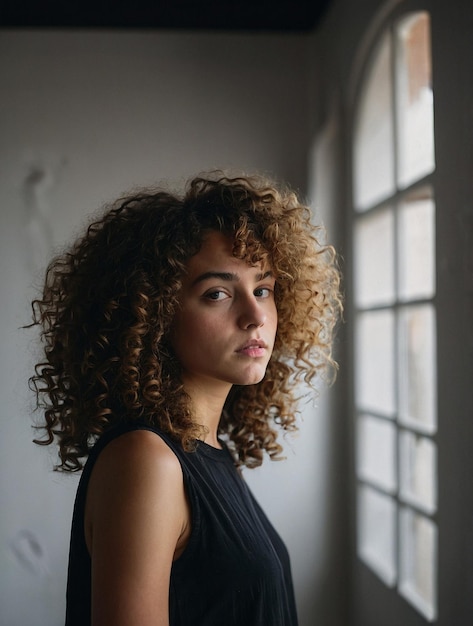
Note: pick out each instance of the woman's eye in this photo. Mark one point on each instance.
(216, 295)
(263, 292)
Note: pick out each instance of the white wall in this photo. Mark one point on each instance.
(83, 117)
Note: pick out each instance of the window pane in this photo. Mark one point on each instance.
(418, 539)
(418, 464)
(417, 246)
(374, 367)
(374, 259)
(376, 451)
(373, 144)
(377, 532)
(417, 371)
(414, 99)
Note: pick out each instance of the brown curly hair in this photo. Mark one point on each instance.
(108, 304)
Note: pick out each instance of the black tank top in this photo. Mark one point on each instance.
(235, 569)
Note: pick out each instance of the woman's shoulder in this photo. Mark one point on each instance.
(137, 451)
(136, 475)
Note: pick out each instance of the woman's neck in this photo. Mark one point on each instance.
(207, 405)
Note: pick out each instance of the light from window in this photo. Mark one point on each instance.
(418, 561)
(417, 468)
(374, 367)
(374, 140)
(414, 101)
(377, 532)
(417, 371)
(416, 240)
(374, 268)
(376, 452)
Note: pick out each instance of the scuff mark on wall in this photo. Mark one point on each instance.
(41, 178)
(29, 553)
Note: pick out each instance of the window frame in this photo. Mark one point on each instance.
(385, 594)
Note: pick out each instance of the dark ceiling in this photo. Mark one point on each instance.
(232, 15)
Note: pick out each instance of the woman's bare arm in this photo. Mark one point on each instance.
(137, 519)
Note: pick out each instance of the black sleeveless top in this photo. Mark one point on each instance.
(235, 569)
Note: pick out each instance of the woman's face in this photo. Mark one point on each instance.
(225, 328)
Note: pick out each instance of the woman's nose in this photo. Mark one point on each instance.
(252, 314)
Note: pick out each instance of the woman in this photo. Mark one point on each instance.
(175, 330)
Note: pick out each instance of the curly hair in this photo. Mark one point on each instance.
(109, 301)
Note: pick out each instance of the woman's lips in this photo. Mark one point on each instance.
(253, 348)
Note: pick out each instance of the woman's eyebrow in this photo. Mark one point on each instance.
(227, 277)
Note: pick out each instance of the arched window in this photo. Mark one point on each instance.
(394, 293)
